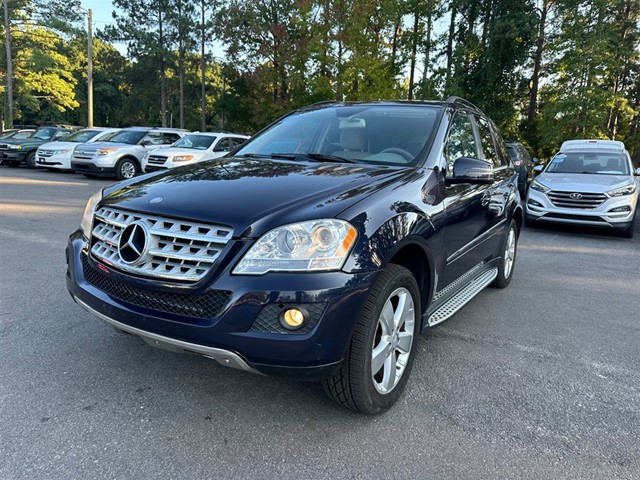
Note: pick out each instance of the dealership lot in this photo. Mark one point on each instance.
(541, 380)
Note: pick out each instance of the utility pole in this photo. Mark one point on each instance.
(89, 13)
(7, 31)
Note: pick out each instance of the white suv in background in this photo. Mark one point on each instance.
(57, 155)
(192, 148)
(121, 155)
(588, 182)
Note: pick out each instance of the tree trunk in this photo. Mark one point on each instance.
(181, 63)
(427, 50)
(537, 64)
(8, 117)
(414, 46)
(203, 105)
(449, 51)
(163, 75)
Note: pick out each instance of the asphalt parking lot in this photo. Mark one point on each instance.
(538, 381)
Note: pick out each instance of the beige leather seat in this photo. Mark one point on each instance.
(352, 143)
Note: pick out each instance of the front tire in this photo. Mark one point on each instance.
(382, 349)
(508, 257)
(30, 160)
(126, 169)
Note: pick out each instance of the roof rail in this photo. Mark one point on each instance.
(456, 99)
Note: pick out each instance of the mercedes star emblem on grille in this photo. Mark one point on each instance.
(133, 242)
(576, 196)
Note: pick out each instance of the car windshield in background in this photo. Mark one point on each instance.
(82, 136)
(44, 133)
(601, 163)
(22, 135)
(377, 134)
(196, 142)
(131, 137)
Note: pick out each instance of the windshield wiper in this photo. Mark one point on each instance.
(318, 157)
(321, 157)
(286, 156)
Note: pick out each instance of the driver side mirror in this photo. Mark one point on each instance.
(145, 143)
(638, 172)
(538, 168)
(471, 170)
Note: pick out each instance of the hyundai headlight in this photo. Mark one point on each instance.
(182, 158)
(536, 185)
(316, 245)
(61, 151)
(622, 191)
(87, 216)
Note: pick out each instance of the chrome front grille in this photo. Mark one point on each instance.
(157, 160)
(175, 249)
(45, 153)
(576, 199)
(4, 146)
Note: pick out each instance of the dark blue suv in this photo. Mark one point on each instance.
(318, 250)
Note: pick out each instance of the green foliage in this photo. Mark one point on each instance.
(283, 54)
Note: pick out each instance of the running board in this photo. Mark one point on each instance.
(461, 298)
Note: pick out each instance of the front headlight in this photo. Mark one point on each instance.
(62, 151)
(16, 147)
(626, 190)
(182, 158)
(87, 216)
(536, 185)
(106, 151)
(316, 245)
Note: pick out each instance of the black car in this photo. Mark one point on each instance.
(318, 250)
(524, 165)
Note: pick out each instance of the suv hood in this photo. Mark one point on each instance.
(94, 146)
(173, 151)
(583, 182)
(58, 145)
(252, 195)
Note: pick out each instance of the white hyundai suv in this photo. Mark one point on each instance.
(192, 148)
(588, 182)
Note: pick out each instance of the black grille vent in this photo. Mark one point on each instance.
(208, 305)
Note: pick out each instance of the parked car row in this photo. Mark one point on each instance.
(121, 153)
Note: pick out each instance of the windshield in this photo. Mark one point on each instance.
(82, 136)
(601, 163)
(196, 142)
(44, 133)
(21, 135)
(132, 137)
(377, 134)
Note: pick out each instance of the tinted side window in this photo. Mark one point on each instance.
(169, 138)
(488, 144)
(223, 145)
(237, 141)
(461, 141)
(153, 138)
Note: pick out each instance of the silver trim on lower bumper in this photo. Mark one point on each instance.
(223, 357)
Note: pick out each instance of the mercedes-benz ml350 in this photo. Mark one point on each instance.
(320, 249)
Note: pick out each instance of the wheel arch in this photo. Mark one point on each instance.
(411, 255)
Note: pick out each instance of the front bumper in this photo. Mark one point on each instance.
(92, 168)
(14, 155)
(539, 208)
(61, 161)
(245, 332)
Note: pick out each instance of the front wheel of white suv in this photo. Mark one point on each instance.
(126, 169)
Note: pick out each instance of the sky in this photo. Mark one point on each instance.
(102, 17)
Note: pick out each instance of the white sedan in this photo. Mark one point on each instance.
(192, 148)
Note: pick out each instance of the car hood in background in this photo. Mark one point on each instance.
(57, 145)
(582, 182)
(94, 146)
(174, 151)
(251, 195)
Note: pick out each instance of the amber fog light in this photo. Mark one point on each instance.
(293, 318)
